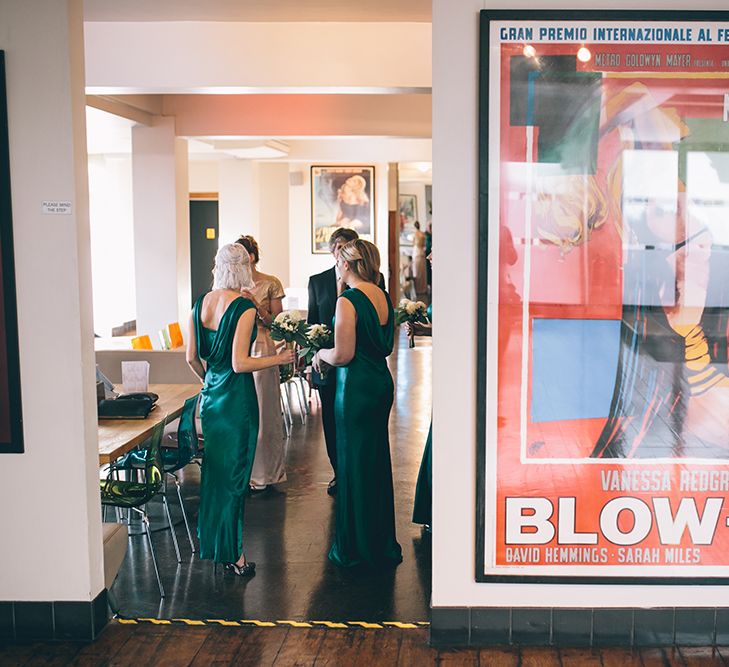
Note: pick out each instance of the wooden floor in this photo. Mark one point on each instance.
(181, 646)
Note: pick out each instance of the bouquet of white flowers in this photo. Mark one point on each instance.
(318, 337)
(411, 311)
(289, 326)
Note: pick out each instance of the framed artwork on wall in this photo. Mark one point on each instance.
(341, 196)
(11, 414)
(603, 360)
(408, 209)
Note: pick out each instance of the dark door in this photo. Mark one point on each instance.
(203, 245)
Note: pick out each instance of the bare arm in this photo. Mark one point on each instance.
(243, 362)
(191, 355)
(345, 336)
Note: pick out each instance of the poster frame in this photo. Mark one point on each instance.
(352, 170)
(11, 372)
(482, 370)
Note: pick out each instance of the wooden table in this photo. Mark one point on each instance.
(118, 436)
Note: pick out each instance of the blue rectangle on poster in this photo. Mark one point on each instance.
(573, 368)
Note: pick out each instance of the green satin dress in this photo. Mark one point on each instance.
(229, 415)
(365, 509)
(423, 505)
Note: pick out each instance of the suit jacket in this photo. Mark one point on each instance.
(323, 304)
(323, 296)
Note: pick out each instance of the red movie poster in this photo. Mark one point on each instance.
(607, 326)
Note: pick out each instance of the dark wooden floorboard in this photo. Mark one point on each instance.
(499, 657)
(580, 657)
(261, 647)
(539, 657)
(724, 653)
(141, 649)
(379, 647)
(221, 647)
(658, 657)
(463, 657)
(12, 655)
(340, 647)
(620, 657)
(300, 647)
(107, 645)
(181, 647)
(55, 655)
(414, 650)
(694, 656)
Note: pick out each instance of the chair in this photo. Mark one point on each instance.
(134, 495)
(173, 460)
(141, 343)
(175, 334)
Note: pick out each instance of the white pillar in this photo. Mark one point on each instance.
(49, 495)
(155, 158)
(273, 236)
(182, 216)
(238, 200)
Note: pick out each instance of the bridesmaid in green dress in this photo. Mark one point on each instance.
(363, 338)
(423, 503)
(222, 329)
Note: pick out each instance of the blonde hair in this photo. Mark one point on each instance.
(232, 268)
(363, 258)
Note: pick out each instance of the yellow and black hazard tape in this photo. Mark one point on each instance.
(242, 623)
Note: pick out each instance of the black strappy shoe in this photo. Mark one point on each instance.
(246, 570)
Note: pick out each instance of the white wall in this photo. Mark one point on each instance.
(203, 175)
(112, 241)
(156, 160)
(455, 169)
(209, 56)
(273, 238)
(49, 496)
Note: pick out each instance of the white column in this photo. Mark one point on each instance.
(238, 200)
(273, 236)
(155, 185)
(49, 495)
(182, 218)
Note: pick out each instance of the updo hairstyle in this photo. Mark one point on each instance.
(363, 258)
(232, 268)
(251, 245)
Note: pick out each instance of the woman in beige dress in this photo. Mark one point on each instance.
(269, 466)
(420, 271)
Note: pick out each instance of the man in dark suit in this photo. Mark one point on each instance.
(324, 289)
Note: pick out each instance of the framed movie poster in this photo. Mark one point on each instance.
(408, 209)
(341, 197)
(603, 377)
(11, 420)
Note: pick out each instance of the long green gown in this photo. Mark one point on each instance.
(423, 505)
(365, 510)
(229, 414)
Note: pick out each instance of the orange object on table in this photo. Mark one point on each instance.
(175, 335)
(141, 343)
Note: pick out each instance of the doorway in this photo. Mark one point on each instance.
(203, 244)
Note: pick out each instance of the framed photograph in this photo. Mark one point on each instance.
(603, 360)
(341, 197)
(408, 208)
(11, 409)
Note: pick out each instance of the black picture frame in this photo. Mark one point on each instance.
(11, 413)
(482, 369)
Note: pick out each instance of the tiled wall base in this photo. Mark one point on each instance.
(460, 626)
(61, 621)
